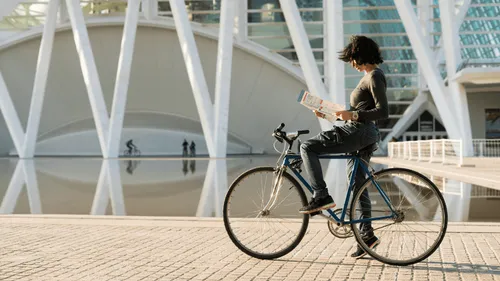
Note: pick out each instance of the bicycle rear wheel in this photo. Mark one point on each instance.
(270, 233)
(414, 230)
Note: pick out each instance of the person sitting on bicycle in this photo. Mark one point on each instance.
(131, 146)
(368, 103)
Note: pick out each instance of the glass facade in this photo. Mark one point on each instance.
(378, 19)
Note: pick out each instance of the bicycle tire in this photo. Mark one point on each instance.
(430, 250)
(236, 241)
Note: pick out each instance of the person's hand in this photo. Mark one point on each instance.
(344, 115)
(319, 114)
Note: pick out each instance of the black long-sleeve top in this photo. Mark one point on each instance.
(370, 98)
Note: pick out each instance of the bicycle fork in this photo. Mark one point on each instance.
(274, 193)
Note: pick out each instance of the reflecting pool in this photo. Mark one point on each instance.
(168, 187)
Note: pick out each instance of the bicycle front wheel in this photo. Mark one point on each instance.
(256, 226)
(408, 214)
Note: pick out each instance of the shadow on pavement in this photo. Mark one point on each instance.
(430, 266)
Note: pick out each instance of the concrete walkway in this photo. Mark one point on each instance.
(146, 248)
(482, 172)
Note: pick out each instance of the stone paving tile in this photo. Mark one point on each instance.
(35, 248)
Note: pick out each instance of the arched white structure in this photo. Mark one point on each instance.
(262, 94)
(158, 83)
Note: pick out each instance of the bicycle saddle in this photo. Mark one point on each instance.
(368, 149)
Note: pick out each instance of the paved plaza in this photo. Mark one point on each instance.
(153, 248)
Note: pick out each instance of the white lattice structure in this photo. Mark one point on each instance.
(228, 23)
(236, 39)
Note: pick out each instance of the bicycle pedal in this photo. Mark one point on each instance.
(315, 213)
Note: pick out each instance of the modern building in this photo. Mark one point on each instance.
(164, 71)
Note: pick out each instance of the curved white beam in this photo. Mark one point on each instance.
(303, 48)
(304, 52)
(223, 76)
(122, 79)
(425, 59)
(241, 24)
(150, 8)
(335, 177)
(335, 68)
(41, 75)
(90, 74)
(451, 45)
(11, 117)
(459, 19)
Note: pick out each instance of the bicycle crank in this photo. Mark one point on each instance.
(265, 213)
(340, 231)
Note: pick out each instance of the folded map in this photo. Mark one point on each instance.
(316, 103)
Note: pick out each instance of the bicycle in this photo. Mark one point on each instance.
(132, 152)
(281, 207)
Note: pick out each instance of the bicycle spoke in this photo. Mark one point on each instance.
(272, 232)
(418, 223)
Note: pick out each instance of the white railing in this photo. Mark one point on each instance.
(486, 147)
(443, 151)
(484, 192)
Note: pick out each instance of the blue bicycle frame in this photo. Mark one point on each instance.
(357, 163)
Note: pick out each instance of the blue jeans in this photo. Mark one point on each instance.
(350, 137)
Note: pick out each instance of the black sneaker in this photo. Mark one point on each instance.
(315, 205)
(371, 242)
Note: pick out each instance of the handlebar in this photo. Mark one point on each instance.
(281, 135)
(303, 132)
(278, 134)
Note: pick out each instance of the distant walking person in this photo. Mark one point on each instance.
(192, 149)
(185, 145)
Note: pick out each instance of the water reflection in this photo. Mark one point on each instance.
(109, 188)
(132, 165)
(115, 187)
(24, 175)
(153, 187)
(192, 166)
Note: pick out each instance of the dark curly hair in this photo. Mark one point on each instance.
(362, 49)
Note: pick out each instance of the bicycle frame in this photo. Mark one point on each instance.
(357, 163)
